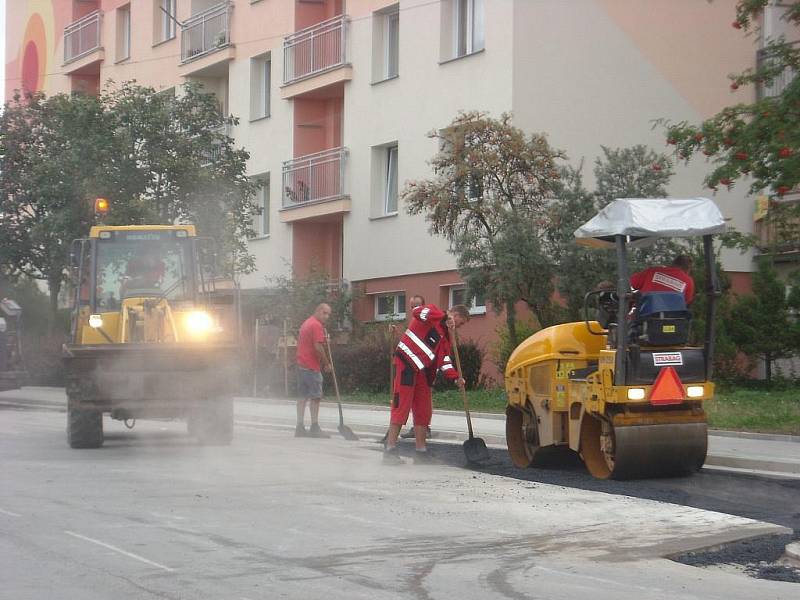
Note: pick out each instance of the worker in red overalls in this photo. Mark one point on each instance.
(423, 350)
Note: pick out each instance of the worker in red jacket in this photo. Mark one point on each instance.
(674, 278)
(423, 350)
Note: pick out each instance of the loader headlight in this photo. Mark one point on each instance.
(636, 393)
(199, 322)
(695, 391)
(95, 321)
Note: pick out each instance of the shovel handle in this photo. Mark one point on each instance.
(333, 374)
(454, 344)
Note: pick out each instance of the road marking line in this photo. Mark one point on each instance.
(9, 513)
(120, 550)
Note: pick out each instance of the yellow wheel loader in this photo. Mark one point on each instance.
(155, 333)
(625, 391)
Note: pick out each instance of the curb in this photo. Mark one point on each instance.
(755, 435)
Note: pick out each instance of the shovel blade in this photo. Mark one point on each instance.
(348, 433)
(476, 451)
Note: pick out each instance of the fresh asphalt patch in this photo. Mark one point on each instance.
(762, 498)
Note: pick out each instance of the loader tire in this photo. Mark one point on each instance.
(84, 428)
(213, 424)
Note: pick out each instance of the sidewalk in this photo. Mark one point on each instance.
(776, 455)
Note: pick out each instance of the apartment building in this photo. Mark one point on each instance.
(335, 98)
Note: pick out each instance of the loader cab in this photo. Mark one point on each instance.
(142, 283)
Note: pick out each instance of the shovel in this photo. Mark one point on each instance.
(346, 432)
(474, 448)
(391, 383)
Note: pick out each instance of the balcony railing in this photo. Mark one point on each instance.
(763, 59)
(776, 231)
(315, 49)
(212, 153)
(206, 32)
(82, 36)
(314, 178)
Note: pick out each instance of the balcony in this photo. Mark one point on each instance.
(781, 80)
(82, 41)
(776, 229)
(212, 153)
(313, 185)
(318, 52)
(206, 32)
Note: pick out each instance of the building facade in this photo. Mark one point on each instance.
(335, 98)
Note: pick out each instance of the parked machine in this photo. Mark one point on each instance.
(12, 371)
(154, 333)
(628, 395)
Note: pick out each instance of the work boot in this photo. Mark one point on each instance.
(300, 431)
(410, 433)
(391, 456)
(315, 431)
(423, 457)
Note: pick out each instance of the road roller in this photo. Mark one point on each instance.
(625, 388)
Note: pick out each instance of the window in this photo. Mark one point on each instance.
(390, 185)
(476, 304)
(260, 81)
(386, 43)
(466, 19)
(392, 43)
(384, 181)
(124, 32)
(164, 20)
(390, 306)
(263, 197)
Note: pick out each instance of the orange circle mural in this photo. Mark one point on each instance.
(34, 55)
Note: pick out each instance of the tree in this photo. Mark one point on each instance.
(50, 149)
(160, 159)
(758, 139)
(488, 197)
(176, 163)
(761, 324)
(635, 172)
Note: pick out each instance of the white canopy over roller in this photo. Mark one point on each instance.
(643, 220)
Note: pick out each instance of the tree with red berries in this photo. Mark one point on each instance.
(759, 139)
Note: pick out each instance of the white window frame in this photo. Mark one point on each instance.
(264, 199)
(468, 16)
(390, 183)
(474, 307)
(168, 30)
(123, 32)
(260, 86)
(388, 47)
(396, 315)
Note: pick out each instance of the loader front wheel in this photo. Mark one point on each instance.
(84, 428)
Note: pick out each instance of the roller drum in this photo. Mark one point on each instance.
(643, 451)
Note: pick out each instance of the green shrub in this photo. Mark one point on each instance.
(41, 355)
(362, 365)
(471, 357)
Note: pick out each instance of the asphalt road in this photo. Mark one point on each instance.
(153, 515)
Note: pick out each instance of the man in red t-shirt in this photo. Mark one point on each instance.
(674, 278)
(311, 360)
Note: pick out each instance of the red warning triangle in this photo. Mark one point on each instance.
(667, 388)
